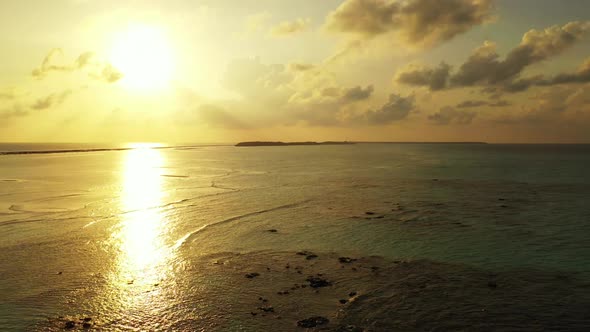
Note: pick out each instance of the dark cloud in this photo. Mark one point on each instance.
(580, 76)
(51, 100)
(358, 93)
(110, 74)
(397, 108)
(417, 22)
(48, 66)
(435, 78)
(478, 103)
(484, 67)
(449, 115)
(88, 60)
(295, 66)
(289, 28)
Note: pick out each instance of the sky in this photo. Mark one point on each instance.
(203, 71)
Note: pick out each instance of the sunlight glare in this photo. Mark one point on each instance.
(144, 55)
(142, 229)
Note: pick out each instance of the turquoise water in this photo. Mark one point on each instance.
(128, 216)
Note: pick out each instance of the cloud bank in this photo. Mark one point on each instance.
(415, 22)
(98, 69)
(485, 68)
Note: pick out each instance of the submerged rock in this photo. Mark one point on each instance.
(267, 309)
(317, 282)
(346, 260)
(70, 324)
(252, 275)
(313, 321)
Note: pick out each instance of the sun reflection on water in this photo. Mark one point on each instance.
(142, 228)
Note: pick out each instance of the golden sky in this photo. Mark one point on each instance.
(183, 71)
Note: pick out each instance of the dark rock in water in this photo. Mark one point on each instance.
(370, 213)
(492, 284)
(313, 322)
(253, 313)
(70, 324)
(252, 275)
(272, 230)
(346, 260)
(379, 217)
(267, 309)
(86, 325)
(351, 294)
(317, 282)
(308, 254)
(87, 319)
(342, 301)
(501, 199)
(59, 273)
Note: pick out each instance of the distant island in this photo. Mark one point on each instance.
(261, 143)
(267, 143)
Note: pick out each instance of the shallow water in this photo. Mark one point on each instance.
(127, 237)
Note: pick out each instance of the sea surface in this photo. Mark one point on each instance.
(162, 238)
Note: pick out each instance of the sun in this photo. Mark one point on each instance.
(144, 55)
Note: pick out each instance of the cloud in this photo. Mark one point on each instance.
(8, 94)
(110, 74)
(478, 103)
(449, 115)
(485, 68)
(88, 61)
(358, 93)
(397, 108)
(415, 22)
(434, 78)
(13, 112)
(582, 75)
(295, 66)
(51, 100)
(299, 94)
(289, 28)
(18, 108)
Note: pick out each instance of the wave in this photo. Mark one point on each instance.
(189, 235)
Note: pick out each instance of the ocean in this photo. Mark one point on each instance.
(367, 237)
